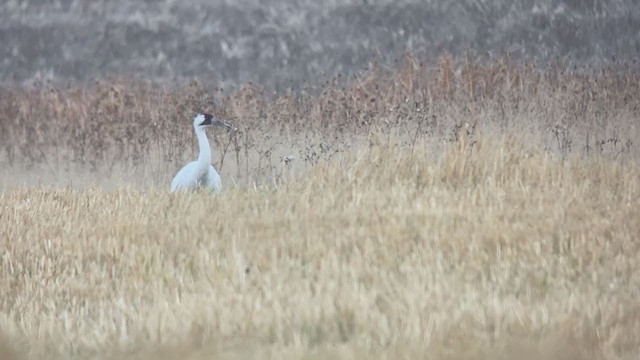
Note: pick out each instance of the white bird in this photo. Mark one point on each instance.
(200, 173)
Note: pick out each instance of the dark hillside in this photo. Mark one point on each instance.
(288, 42)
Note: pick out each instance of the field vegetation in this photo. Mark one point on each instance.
(445, 210)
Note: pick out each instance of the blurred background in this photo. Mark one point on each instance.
(285, 43)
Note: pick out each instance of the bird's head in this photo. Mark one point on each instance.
(203, 120)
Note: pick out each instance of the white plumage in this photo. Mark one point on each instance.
(200, 173)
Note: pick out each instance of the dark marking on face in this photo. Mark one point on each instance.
(207, 119)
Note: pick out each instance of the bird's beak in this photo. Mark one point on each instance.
(222, 124)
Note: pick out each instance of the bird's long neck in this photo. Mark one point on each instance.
(204, 159)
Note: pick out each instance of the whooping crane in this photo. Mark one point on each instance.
(200, 173)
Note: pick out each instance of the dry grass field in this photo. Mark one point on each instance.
(444, 211)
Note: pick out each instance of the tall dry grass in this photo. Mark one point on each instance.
(456, 211)
(494, 250)
(136, 133)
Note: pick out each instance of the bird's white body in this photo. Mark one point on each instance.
(184, 179)
(200, 173)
